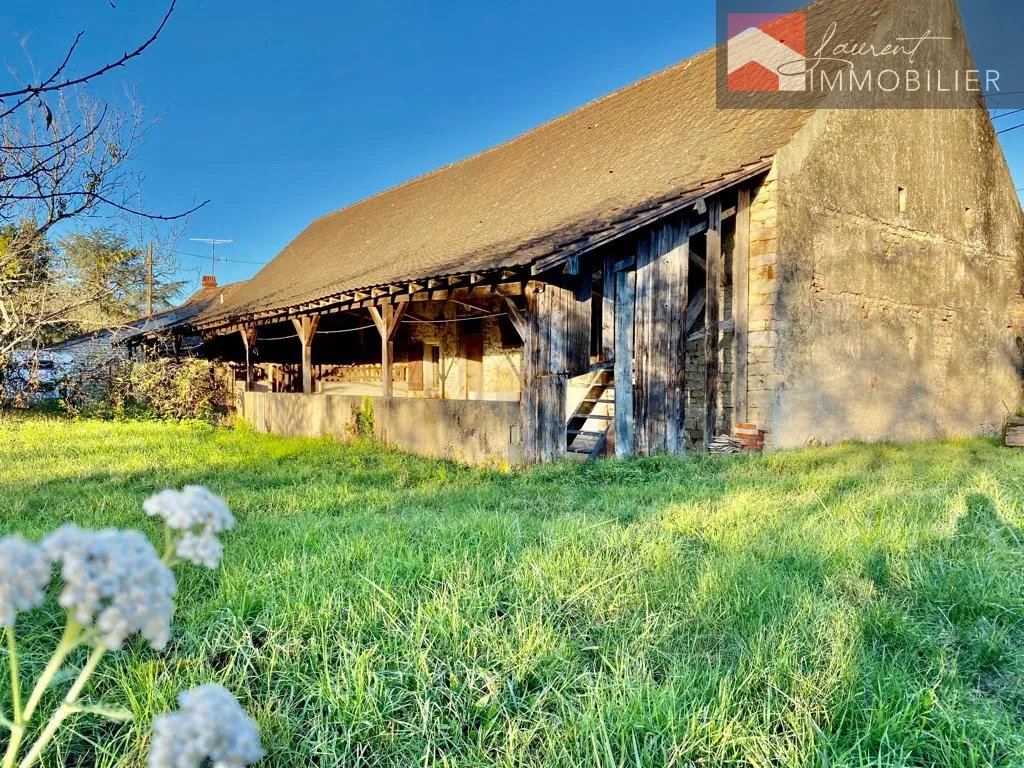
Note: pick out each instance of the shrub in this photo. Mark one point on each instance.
(162, 389)
(363, 421)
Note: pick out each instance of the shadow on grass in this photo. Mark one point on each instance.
(852, 605)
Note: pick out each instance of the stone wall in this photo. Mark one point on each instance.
(896, 287)
(762, 337)
(474, 432)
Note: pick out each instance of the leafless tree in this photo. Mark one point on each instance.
(64, 155)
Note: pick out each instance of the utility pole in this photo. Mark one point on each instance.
(149, 280)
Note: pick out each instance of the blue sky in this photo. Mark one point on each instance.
(281, 112)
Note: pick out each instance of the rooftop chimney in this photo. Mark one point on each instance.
(209, 281)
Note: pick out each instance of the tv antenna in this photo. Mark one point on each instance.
(213, 242)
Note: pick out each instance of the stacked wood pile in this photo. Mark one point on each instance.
(1015, 432)
(748, 439)
(751, 436)
(727, 444)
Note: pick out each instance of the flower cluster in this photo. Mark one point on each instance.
(115, 581)
(198, 516)
(24, 574)
(210, 726)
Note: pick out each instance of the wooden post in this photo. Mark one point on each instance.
(387, 319)
(249, 342)
(740, 302)
(305, 327)
(711, 309)
(625, 291)
(608, 309)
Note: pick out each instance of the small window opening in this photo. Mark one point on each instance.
(901, 199)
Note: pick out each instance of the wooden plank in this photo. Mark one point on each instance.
(712, 288)
(608, 309)
(740, 303)
(625, 296)
(642, 321)
(578, 321)
(676, 270)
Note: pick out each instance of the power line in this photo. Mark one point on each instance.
(366, 327)
(213, 243)
(219, 258)
(1007, 114)
(1007, 130)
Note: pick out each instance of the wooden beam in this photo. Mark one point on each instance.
(306, 327)
(740, 304)
(694, 310)
(640, 221)
(625, 291)
(712, 288)
(515, 314)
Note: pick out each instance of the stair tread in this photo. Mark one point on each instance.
(598, 400)
(584, 433)
(582, 449)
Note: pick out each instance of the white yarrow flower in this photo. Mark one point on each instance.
(114, 580)
(200, 514)
(24, 573)
(211, 728)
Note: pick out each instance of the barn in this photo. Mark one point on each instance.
(652, 272)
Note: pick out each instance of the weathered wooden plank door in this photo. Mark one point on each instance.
(662, 271)
(555, 347)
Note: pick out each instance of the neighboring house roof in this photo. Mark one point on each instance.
(203, 299)
(93, 349)
(553, 188)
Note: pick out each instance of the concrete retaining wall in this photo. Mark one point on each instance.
(471, 431)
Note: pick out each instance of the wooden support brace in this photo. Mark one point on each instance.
(306, 327)
(249, 342)
(515, 314)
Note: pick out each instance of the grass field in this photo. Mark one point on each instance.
(832, 607)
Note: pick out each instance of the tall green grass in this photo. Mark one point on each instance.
(851, 606)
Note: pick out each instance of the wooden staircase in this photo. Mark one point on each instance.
(586, 433)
